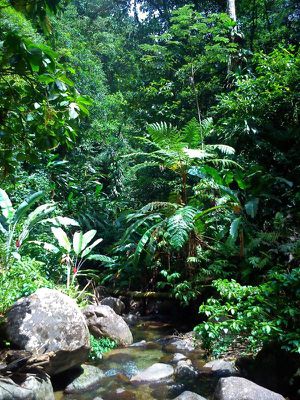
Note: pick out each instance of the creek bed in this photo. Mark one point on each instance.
(120, 365)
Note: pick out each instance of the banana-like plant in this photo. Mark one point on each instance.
(75, 251)
(16, 224)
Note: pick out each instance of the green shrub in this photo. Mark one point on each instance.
(100, 346)
(23, 278)
(253, 316)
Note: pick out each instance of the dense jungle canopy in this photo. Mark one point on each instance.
(154, 146)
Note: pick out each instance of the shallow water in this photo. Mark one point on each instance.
(120, 365)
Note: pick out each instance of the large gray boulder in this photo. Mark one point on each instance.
(104, 322)
(189, 396)
(113, 302)
(178, 357)
(221, 368)
(235, 388)
(32, 388)
(156, 373)
(49, 321)
(176, 345)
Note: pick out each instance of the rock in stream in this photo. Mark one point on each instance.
(49, 321)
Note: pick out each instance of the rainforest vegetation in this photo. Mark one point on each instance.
(154, 145)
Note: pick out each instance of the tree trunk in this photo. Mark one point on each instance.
(232, 15)
(231, 9)
(135, 12)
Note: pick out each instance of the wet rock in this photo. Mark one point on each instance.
(49, 321)
(189, 396)
(31, 388)
(221, 368)
(167, 391)
(235, 388)
(104, 322)
(179, 345)
(128, 369)
(118, 356)
(89, 378)
(184, 369)
(131, 319)
(275, 369)
(136, 306)
(142, 343)
(113, 302)
(178, 357)
(156, 373)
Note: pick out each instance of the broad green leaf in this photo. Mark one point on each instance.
(64, 221)
(26, 205)
(89, 248)
(61, 86)
(251, 207)
(16, 255)
(3, 230)
(5, 205)
(39, 213)
(47, 246)
(73, 110)
(234, 227)
(87, 237)
(283, 180)
(142, 243)
(100, 257)
(62, 238)
(45, 78)
(77, 242)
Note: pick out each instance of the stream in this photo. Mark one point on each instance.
(119, 365)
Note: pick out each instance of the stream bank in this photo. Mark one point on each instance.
(154, 342)
(51, 338)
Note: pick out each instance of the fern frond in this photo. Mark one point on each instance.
(179, 227)
(191, 133)
(207, 127)
(197, 153)
(146, 140)
(142, 154)
(147, 220)
(222, 147)
(164, 135)
(146, 164)
(159, 205)
(225, 162)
